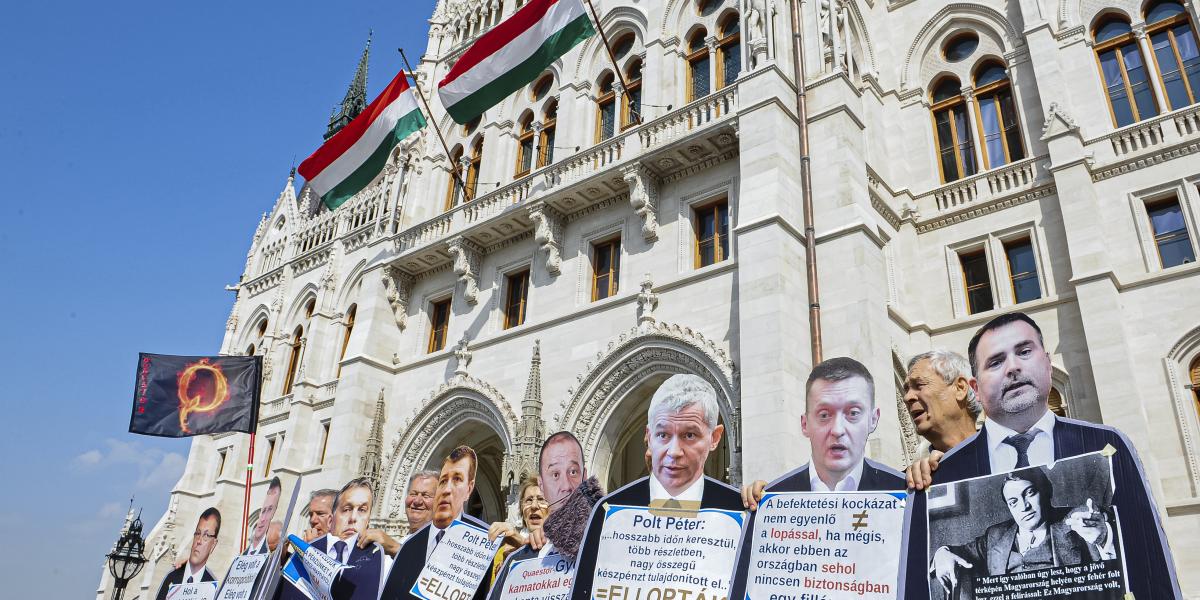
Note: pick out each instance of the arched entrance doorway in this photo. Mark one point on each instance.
(487, 503)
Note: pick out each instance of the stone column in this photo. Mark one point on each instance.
(968, 95)
(1156, 82)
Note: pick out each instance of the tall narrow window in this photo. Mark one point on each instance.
(1170, 232)
(1194, 376)
(454, 191)
(525, 145)
(998, 122)
(729, 49)
(324, 442)
(712, 233)
(472, 181)
(697, 62)
(606, 109)
(1130, 97)
(1022, 270)
(221, 456)
(631, 109)
(956, 149)
(439, 321)
(351, 313)
(1175, 52)
(977, 283)
(549, 126)
(606, 268)
(516, 298)
(250, 350)
(1055, 403)
(293, 360)
(270, 456)
(310, 307)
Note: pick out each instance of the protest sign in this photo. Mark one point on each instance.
(457, 565)
(545, 578)
(650, 554)
(843, 545)
(311, 570)
(239, 581)
(204, 590)
(1038, 532)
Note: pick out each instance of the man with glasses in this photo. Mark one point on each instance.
(195, 570)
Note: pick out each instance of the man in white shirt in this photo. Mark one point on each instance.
(353, 543)
(195, 569)
(681, 430)
(258, 537)
(418, 504)
(320, 523)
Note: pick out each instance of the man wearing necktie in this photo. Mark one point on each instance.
(204, 539)
(258, 537)
(681, 430)
(456, 481)
(839, 416)
(1012, 378)
(352, 546)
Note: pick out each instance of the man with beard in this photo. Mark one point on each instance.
(1012, 378)
(570, 494)
(258, 539)
(455, 484)
(418, 505)
(681, 430)
(195, 569)
(839, 415)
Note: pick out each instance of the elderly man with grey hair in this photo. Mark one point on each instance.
(681, 430)
(943, 406)
(418, 505)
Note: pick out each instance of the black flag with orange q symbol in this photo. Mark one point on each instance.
(181, 396)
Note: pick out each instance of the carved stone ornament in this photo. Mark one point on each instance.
(462, 357)
(1058, 123)
(548, 233)
(647, 301)
(643, 196)
(466, 266)
(397, 289)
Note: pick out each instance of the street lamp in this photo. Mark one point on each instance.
(126, 559)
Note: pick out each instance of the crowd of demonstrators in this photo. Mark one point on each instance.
(981, 414)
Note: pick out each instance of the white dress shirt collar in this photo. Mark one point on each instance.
(432, 541)
(849, 483)
(693, 493)
(333, 553)
(1003, 457)
(197, 576)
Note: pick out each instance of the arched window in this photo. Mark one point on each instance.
(1194, 376)
(250, 350)
(1000, 129)
(525, 145)
(1175, 52)
(606, 108)
(310, 307)
(697, 60)
(623, 45)
(546, 143)
(961, 46)
(729, 51)
(293, 360)
(956, 149)
(542, 88)
(707, 7)
(262, 328)
(454, 190)
(473, 169)
(1056, 404)
(350, 314)
(1130, 97)
(631, 105)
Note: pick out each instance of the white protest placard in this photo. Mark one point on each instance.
(239, 581)
(843, 545)
(202, 590)
(658, 556)
(311, 570)
(457, 565)
(546, 578)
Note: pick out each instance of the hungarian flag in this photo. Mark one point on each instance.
(180, 396)
(351, 159)
(511, 55)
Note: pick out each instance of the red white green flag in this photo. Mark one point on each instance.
(511, 55)
(354, 156)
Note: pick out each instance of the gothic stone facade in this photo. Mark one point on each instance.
(911, 253)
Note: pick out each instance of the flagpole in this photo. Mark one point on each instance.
(608, 48)
(246, 503)
(421, 94)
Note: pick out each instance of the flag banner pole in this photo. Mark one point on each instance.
(608, 48)
(246, 503)
(462, 187)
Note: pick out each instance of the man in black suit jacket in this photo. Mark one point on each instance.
(455, 484)
(839, 415)
(681, 430)
(204, 539)
(258, 536)
(1012, 370)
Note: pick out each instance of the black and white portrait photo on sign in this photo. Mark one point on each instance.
(1038, 532)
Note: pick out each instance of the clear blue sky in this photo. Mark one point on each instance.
(139, 144)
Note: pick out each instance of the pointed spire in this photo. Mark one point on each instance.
(532, 404)
(372, 459)
(355, 100)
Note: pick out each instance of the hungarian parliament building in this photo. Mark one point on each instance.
(631, 216)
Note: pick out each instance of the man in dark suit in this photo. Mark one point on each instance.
(1012, 378)
(258, 536)
(839, 415)
(196, 568)
(320, 522)
(455, 484)
(681, 430)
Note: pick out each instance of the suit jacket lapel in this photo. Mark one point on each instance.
(999, 549)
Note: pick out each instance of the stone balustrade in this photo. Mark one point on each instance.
(1013, 178)
(1145, 137)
